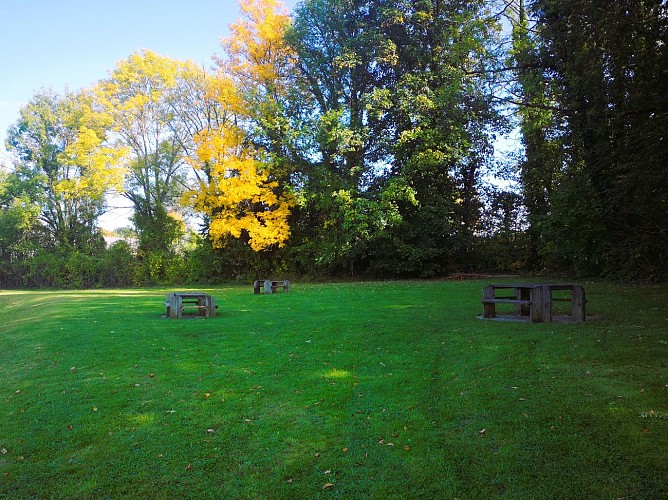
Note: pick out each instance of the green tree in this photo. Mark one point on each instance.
(543, 156)
(606, 65)
(139, 100)
(343, 62)
(58, 145)
(19, 227)
(441, 121)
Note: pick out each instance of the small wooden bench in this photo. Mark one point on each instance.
(270, 286)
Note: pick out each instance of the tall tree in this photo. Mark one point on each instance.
(606, 63)
(139, 96)
(344, 60)
(245, 158)
(542, 160)
(442, 121)
(19, 224)
(402, 120)
(59, 143)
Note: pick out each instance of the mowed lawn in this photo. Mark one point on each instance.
(360, 390)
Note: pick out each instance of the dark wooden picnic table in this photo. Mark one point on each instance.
(534, 300)
(177, 302)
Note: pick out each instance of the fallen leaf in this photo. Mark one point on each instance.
(482, 432)
(189, 467)
(290, 481)
(345, 450)
(151, 375)
(328, 471)
(94, 408)
(4, 451)
(328, 486)
(211, 430)
(407, 448)
(317, 455)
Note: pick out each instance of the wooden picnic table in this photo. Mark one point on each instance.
(270, 286)
(177, 302)
(534, 300)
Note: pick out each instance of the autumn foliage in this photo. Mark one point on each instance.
(240, 192)
(239, 195)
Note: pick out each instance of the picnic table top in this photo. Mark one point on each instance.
(552, 286)
(190, 294)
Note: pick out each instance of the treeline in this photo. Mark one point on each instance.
(356, 138)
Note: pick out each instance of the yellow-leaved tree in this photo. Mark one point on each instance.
(144, 97)
(244, 193)
(241, 197)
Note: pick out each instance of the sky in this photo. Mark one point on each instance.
(71, 44)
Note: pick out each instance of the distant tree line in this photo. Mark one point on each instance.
(356, 139)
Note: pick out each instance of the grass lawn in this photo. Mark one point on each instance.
(366, 390)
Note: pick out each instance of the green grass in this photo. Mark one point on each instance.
(368, 390)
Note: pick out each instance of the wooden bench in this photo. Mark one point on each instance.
(534, 301)
(270, 286)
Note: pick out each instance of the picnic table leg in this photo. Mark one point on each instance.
(522, 294)
(488, 309)
(175, 306)
(541, 304)
(268, 287)
(211, 306)
(578, 303)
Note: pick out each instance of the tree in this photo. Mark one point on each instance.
(139, 98)
(344, 61)
(605, 64)
(244, 193)
(542, 140)
(240, 197)
(59, 145)
(19, 226)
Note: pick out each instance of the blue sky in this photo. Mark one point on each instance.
(58, 44)
(71, 44)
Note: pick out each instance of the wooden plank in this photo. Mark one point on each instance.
(507, 301)
(578, 304)
(523, 307)
(177, 306)
(541, 309)
(268, 286)
(488, 304)
(541, 305)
